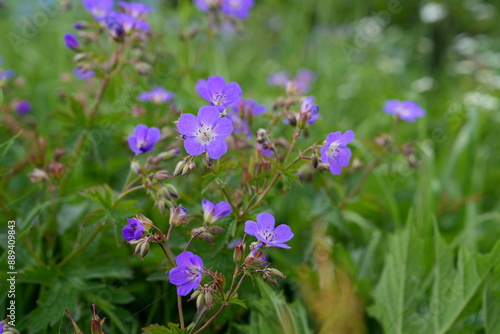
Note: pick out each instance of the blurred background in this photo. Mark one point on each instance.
(444, 55)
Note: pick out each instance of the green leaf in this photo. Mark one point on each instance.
(51, 305)
(272, 314)
(102, 195)
(491, 307)
(399, 305)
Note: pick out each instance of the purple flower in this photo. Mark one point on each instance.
(205, 132)
(248, 108)
(71, 42)
(335, 152)
(309, 112)
(406, 110)
(299, 85)
(83, 74)
(131, 23)
(135, 9)
(98, 8)
(265, 232)
(134, 230)
(277, 79)
(188, 273)
(206, 5)
(22, 107)
(1, 328)
(157, 95)
(215, 91)
(144, 139)
(237, 8)
(213, 212)
(240, 125)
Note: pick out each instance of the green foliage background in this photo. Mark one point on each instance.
(416, 251)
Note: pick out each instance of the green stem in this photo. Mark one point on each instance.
(223, 307)
(179, 306)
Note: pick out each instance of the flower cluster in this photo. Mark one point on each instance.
(239, 9)
(406, 110)
(298, 85)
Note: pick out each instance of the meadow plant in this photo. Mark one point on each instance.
(195, 203)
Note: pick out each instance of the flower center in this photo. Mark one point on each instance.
(268, 235)
(402, 111)
(219, 99)
(192, 273)
(334, 149)
(205, 134)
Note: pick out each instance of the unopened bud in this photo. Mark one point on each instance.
(292, 119)
(178, 215)
(172, 190)
(179, 167)
(38, 175)
(167, 155)
(208, 300)
(261, 136)
(314, 160)
(276, 273)
(143, 68)
(200, 301)
(135, 167)
(96, 324)
(239, 251)
(146, 222)
(80, 56)
(161, 175)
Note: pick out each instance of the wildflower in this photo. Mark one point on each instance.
(178, 215)
(115, 27)
(240, 9)
(22, 107)
(205, 132)
(335, 153)
(98, 8)
(248, 108)
(299, 85)
(130, 23)
(406, 110)
(265, 232)
(213, 212)
(188, 273)
(215, 91)
(83, 74)
(144, 139)
(135, 9)
(157, 95)
(240, 124)
(134, 230)
(71, 42)
(207, 5)
(7, 74)
(309, 112)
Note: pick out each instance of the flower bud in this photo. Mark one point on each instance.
(161, 175)
(38, 175)
(143, 68)
(261, 136)
(71, 42)
(276, 273)
(179, 167)
(146, 222)
(200, 301)
(135, 167)
(80, 56)
(178, 215)
(314, 160)
(163, 156)
(239, 250)
(172, 190)
(96, 324)
(208, 300)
